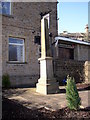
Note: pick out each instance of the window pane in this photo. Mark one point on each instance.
(12, 53)
(16, 40)
(5, 7)
(20, 53)
(15, 53)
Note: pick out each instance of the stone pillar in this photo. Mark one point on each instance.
(47, 83)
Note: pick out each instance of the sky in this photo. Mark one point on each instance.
(73, 16)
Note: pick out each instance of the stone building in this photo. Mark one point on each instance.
(69, 49)
(20, 45)
(71, 57)
(20, 39)
(84, 36)
(75, 36)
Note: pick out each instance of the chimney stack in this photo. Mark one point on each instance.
(87, 32)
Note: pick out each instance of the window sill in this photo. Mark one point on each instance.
(16, 62)
(7, 15)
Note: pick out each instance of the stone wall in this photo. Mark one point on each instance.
(24, 22)
(24, 80)
(81, 52)
(87, 71)
(72, 68)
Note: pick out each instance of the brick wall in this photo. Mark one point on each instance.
(25, 23)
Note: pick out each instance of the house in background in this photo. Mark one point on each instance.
(71, 57)
(70, 49)
(21, 26)
(77, 36)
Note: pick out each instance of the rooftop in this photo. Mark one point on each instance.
(71, 40)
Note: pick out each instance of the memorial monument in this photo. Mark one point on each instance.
(47, 83)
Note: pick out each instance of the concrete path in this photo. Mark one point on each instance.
(31, 99)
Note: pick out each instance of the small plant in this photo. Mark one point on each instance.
(6, 81)
(72, 95)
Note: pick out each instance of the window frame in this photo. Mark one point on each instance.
(17, 44)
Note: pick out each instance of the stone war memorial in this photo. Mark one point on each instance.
(47, 83)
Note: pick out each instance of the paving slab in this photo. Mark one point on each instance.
(31, 99)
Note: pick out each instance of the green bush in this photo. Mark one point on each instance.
(6, 81)
(72, 95)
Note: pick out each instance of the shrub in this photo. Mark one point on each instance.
(72, 95)
(6, 81)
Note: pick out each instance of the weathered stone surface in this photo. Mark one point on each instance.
(47, 83)
(24, 22)
(80, 70)
(73, 68)
(87, 71)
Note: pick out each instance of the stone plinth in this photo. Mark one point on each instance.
(47, 83)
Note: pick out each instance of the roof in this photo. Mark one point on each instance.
(71, 40)
(73, 34)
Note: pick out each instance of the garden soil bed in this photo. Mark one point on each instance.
(83, 86)
(12, 110)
